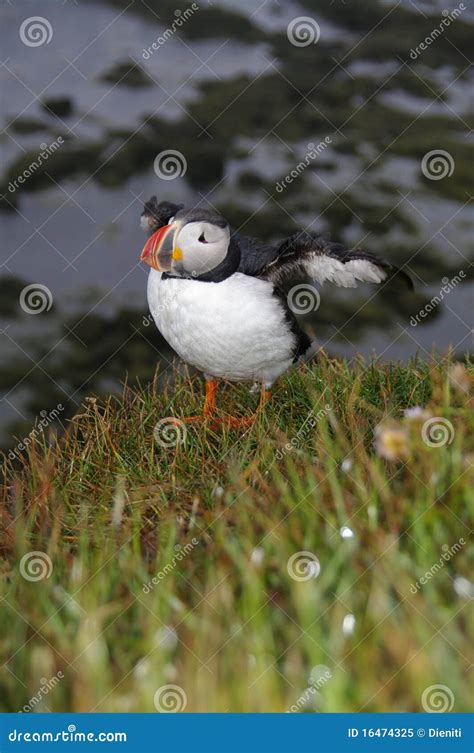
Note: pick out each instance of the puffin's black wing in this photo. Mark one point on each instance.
(307, 255)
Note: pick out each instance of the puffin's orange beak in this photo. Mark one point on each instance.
(158, 250)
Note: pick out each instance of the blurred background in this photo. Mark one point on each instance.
(100, 89)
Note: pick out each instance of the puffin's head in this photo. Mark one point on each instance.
(193, 243)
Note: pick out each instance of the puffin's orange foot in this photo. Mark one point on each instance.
(216, 422)
(237, 422)
(209, 404)
(233, 422)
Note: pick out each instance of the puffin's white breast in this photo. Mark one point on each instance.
(234, 329)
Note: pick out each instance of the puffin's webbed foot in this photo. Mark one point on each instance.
(239, 422)
(209, 403)
(227, 420)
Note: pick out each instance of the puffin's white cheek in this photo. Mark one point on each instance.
(201, 246)
(204, 258)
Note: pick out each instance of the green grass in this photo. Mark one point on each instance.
(225, 621)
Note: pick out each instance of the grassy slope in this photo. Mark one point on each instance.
(247, 633)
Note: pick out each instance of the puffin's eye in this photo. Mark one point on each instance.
(202, 239)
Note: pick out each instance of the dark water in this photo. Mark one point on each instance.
(230, 92)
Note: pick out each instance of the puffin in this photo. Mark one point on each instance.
(218, 297)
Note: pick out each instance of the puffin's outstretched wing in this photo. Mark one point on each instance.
(307, 255)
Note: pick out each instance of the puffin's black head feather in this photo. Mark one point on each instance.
(201, 215)
(156, 215)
